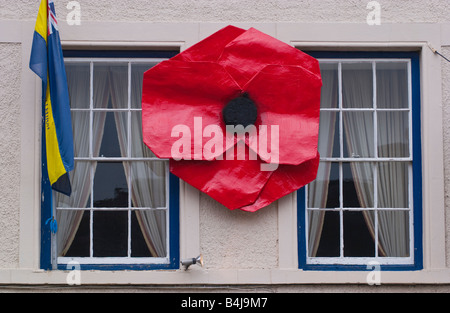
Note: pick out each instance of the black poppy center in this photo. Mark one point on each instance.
(240, 111)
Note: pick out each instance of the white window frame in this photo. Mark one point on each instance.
(342, 260)
(128, 260)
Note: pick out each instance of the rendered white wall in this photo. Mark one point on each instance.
(10, 130)
(446, 118)
(305, 11)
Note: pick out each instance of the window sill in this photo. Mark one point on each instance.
(199, 276)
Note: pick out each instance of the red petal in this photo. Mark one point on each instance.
(247, 54)
(176, 92)
(210, 48)
(285, 180)
(288, 97)
(233, 183)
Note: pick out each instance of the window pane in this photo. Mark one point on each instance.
(358, 134)
(139, 246)
(111, 85)
(323, 192)
(148, 184)
(357, 85)
(330, 95)
(318, 188)
(393, 185)
(110, 186)
(358, 241)
(358, 185)
(324, 242)
(71, 222)
(392, 85)
(329, 135)
(110, 233)
(148, 233)
(80, 179)
(81, 133)
(78, 82)
(114, 140)
(137, 75)
(393, 134)
(138, 148)
(393, 233)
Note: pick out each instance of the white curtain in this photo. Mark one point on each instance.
(393, 141)
(318, 189)
(359, 130)
(148, 178)
(78, 83)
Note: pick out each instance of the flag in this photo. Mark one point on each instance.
(48, 63)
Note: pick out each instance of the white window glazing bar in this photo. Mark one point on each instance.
(129, 234)
(340, 105)
(127, 165)
(91, 106)
(91, 233)
(375, 105)
(166, 164)
(118, 159)
(341, 233)
(129, 112)
(411, 211)
(359, 261)
(410, 165)
(352, 61)
(348, 109)
(375, 141)
(307, 219)
(411, 143)
(104, 110)
(379, 160)
(375, 204)
(341, 154)
(113, 260)
(333, 209)
(112, 209)
(93, 165)
(376, 233)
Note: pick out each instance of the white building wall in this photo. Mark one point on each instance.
(230, 241)
(446, 118)
(231, 11)
(10, 63)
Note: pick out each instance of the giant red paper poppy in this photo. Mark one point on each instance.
(269, 84)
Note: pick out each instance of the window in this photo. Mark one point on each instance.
(123, 212)
(365, 204)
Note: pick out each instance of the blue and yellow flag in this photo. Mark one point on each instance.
(48, 63)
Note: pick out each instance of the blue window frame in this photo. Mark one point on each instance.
(115, 202)
(366, 203)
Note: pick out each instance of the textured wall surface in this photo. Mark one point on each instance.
(446, 117)
(237, 239)
(349, 11)
(10, 65)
